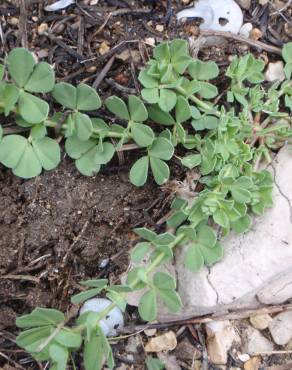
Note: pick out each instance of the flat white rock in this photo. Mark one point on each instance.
(281, 328)
(255, 342)
(257, 266)
(213, 12)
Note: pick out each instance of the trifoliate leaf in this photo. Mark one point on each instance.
(167, 100)
(65, 94)
(20, 65)
(137, 109)
(160, 170)
(32, 109)
(148, 306)
(87, 98)
(142, 134)
(42, 79)
(118, 107)
(139, 171)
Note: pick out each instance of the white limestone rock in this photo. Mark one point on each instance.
(281, 328)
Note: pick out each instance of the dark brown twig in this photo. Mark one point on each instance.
(103, 72)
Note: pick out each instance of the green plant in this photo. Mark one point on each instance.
(222, 144)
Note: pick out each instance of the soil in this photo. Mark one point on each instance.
(61, 227)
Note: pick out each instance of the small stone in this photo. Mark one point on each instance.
(185, 351)
(104, 48)
(197, 365)
(150, 41)
(281, 328)
(263, 2)
(275, 72)
(94, 2)
(91, 69)
(252, 364)
(42, 28)
(221, 335)
(256, 34)
(159, 28)
(13, 21)
(243, 357)
(164, 342)
(255, 342)
(150, 332)
(245, 4)
(133, 343)
(246, 30)
(260, 322)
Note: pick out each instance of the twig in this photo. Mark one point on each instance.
(117, 86)
(235, 315)
(20, 277)
(11, 361)
(283, 8)
(62, 44)
(256, 44)
(104, 72)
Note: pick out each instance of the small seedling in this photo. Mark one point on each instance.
(222, 139)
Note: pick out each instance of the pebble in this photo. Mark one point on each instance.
(260, 322)
(255, 342)
(221, 335)
(256, 34)
(159, 28)
(252, 364)
(42, 28)
(104, 48)
(246, 30)
(243, 357)
(275, 72)
(164, 342)
(281, 328)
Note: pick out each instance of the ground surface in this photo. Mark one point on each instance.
(61, 227)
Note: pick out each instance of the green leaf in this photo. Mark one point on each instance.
(207, 90)
(20, 65)
(42, 80)
(65, 94)
(40, 317)
(145, 233)
(75, 148)
(38, 131)
(48, 152)
(12, 148)
(93, 355)
(84, 296)
(242, 224)
(160, 170)
(203, 70)
(104, 154)
(86, 164)
(117, 298)
(161, 52)
(83, 126)
(167, 100)
(221, 218)
(28, 166)
(287, 56)
(241, 195)
(162, 280)
(59, 355)
(171, 299)
(154, 364)
(31, 339)
(2, 71)
(140, 251)
(142, 134)
(95, 283)
(148, 306)
(194, 260)
(118, 107)
(87, 98)
(162, 149)
(192, 160)
(147, 81)
(68, 338)
(139, 171)
(182, 110)
(9, 98)
(134, 278)
(150, 95)
(159, 116)
(137, 109)
(205, 122)
(32, 109)
(206, 236)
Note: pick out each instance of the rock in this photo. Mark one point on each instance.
(133, 344)
(279, 291)
(252, 364)
(169, 361)
(260, 322)
(255, 342)
(185, 351)
(221, 335)
(244, 357)
(150, 332)
(246, 30)
(257, 265)
(281, 328)
(245, 4)
(275, 72)
(164, 342)
(256, 34)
